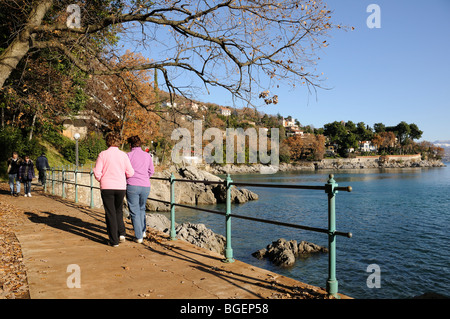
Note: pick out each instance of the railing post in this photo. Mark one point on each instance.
(228, 249)
(63, 192)
(76, 185)
(45, 184)
(91, 175)
(332, 283)
(53, 181)
(173, 233)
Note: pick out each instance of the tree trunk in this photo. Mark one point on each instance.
(11, 57)
(32, 126)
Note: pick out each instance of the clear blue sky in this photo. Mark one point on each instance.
(399, 72)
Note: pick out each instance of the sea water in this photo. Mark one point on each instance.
(399, 219)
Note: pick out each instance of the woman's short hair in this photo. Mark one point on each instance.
(134, 141)
(112, 139)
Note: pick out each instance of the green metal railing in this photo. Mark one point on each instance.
(62, 178)
(331, 188)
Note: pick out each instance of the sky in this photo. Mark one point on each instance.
(398, 72)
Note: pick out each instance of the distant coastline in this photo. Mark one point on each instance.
(361, 162)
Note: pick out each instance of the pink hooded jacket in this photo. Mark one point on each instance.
(112, 169)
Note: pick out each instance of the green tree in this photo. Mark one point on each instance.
(415, 133)
(363, 132)
(379, 127)
(403, 130)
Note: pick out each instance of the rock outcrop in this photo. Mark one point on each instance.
(260, 168)
(193, 193)
(197, 234)
(283, 253)
(201, 236)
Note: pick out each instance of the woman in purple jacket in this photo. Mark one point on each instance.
(138, 186)
(26, 174)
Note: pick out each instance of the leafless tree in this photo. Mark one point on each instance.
(243, 46)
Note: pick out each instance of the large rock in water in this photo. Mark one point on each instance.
(193, 193)
(283, 253)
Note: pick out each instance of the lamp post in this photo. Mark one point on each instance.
(76, 137)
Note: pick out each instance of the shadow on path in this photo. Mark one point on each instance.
(236, 279)
(70, 224)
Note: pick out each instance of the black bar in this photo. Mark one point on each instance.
(199, 181)
(278, 185)
(202, 209)
(159, 200)
(160, 178)
(320, 230)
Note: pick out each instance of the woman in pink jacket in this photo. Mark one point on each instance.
(112, 169)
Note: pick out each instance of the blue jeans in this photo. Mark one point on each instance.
(136, 199)
(27, 186)
(13, 177)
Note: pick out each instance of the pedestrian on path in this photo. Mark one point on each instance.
(138, 186)
(26, 174)
(13, 172)
(112, 168)
(42, 167)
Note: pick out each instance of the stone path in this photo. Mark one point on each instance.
(64, 244)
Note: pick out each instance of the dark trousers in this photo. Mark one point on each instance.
(42, 176)
(113, 204)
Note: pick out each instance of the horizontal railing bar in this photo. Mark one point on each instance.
(278, 185)
(202, 209)
(199, 181)
(343, 188)
(160, 178)
(159, 200)
(315, 229)
(320, 230)
(340, 188)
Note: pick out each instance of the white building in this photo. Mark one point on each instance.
(367, 146)
(225, 111)
(287, 123)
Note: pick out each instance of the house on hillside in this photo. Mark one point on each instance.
(81, 123)
(170, 105)
(225, 111)
(367, 146)
(294, 130)
(288, 123)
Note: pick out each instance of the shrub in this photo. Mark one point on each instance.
(93, 144)
(68, 152)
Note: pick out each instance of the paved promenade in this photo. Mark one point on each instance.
(64, 244)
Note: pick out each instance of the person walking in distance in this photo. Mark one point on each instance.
(112, 168)
(42, 167)
(13, 173)
(26, 174)
(138, 186)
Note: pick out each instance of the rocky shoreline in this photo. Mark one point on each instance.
(196, 234)
(193, 193)
(326, 164)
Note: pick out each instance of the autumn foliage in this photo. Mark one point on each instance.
(127, 100)
(306, 147)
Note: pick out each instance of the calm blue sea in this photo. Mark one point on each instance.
(399, 219)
